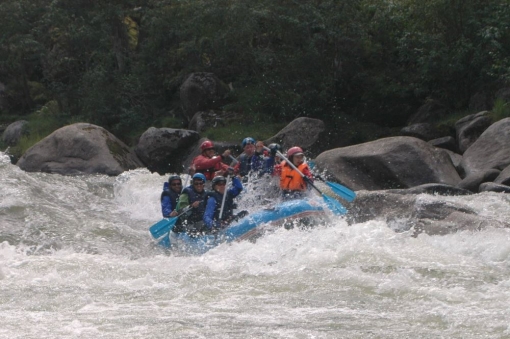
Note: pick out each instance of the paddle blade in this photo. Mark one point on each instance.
(342, 191)
(165, 241)
(161, 227)
(335, 207)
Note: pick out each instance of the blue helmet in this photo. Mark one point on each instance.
(248, 140)
(199, 176)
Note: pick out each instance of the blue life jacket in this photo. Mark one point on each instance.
(168, 200)
(228, 208)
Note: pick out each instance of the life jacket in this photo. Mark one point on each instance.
(228, 208)
(244, 164)
(291, 180)
(169, 193)
(196, 213)
(209, 173)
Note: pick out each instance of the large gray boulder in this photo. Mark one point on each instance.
(14, 132)
(202, 91)
(79, 149)
(302, 132)
(416, 213)
(490, 150)
(396, 162)
(469, 128)
(163, 150)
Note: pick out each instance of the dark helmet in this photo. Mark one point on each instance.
(206, 145)
(174, 177)
(199, 176)
(218, 179)
(248, 140)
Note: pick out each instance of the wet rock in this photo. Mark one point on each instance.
(303, 132)
(473, 181)
(80, 149)
(470, 128)
(493, 187)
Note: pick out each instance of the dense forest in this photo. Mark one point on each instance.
(120, 63)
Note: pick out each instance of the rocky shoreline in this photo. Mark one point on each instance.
(388, 174)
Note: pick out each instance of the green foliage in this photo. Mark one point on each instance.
(500, 110)
(375, 61)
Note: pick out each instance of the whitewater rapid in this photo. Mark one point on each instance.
(77, 261)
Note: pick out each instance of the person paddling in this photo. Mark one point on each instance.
(195, 196)
(292, 184)
(219, 210)
(209, 164)
(171, 191)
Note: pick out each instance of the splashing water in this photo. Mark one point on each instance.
(76, 261)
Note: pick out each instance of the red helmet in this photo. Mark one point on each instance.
(294, 150)
(206, 145)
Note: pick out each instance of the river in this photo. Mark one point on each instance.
(77, 261)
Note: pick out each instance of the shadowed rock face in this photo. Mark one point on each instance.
(163, 150)
(80, 149)
(398, 162)
(14, 132)
(303, 132)
(202, 91)
(469, 128)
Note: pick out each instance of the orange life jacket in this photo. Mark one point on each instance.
(290, 179)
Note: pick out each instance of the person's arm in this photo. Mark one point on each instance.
(183, 201)
(209, 214)
(202, 163)
(166, 206)
(308, 173)
(237, 187)
(237, 167)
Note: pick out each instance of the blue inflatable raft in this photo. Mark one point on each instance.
(248, 227)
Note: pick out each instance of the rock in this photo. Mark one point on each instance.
(3, 96)
(415, 213)
(447, 143)
(80, 149)
(492, 187)
(504, 177)
(430, 111)
(473, 181)
(490, 151)
(479, 102)
(424, 131)
(163, 150)
(456, 159)
(503, 94)
(434, 189)
(469, 128)
(205, 120)
(302, 132)
(14, 132)
(396, 162)
(201, 92)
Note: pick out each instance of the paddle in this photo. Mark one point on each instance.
(332, 204)
(338, 189)
(223, 199)
(164, 226)
(234, 160)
